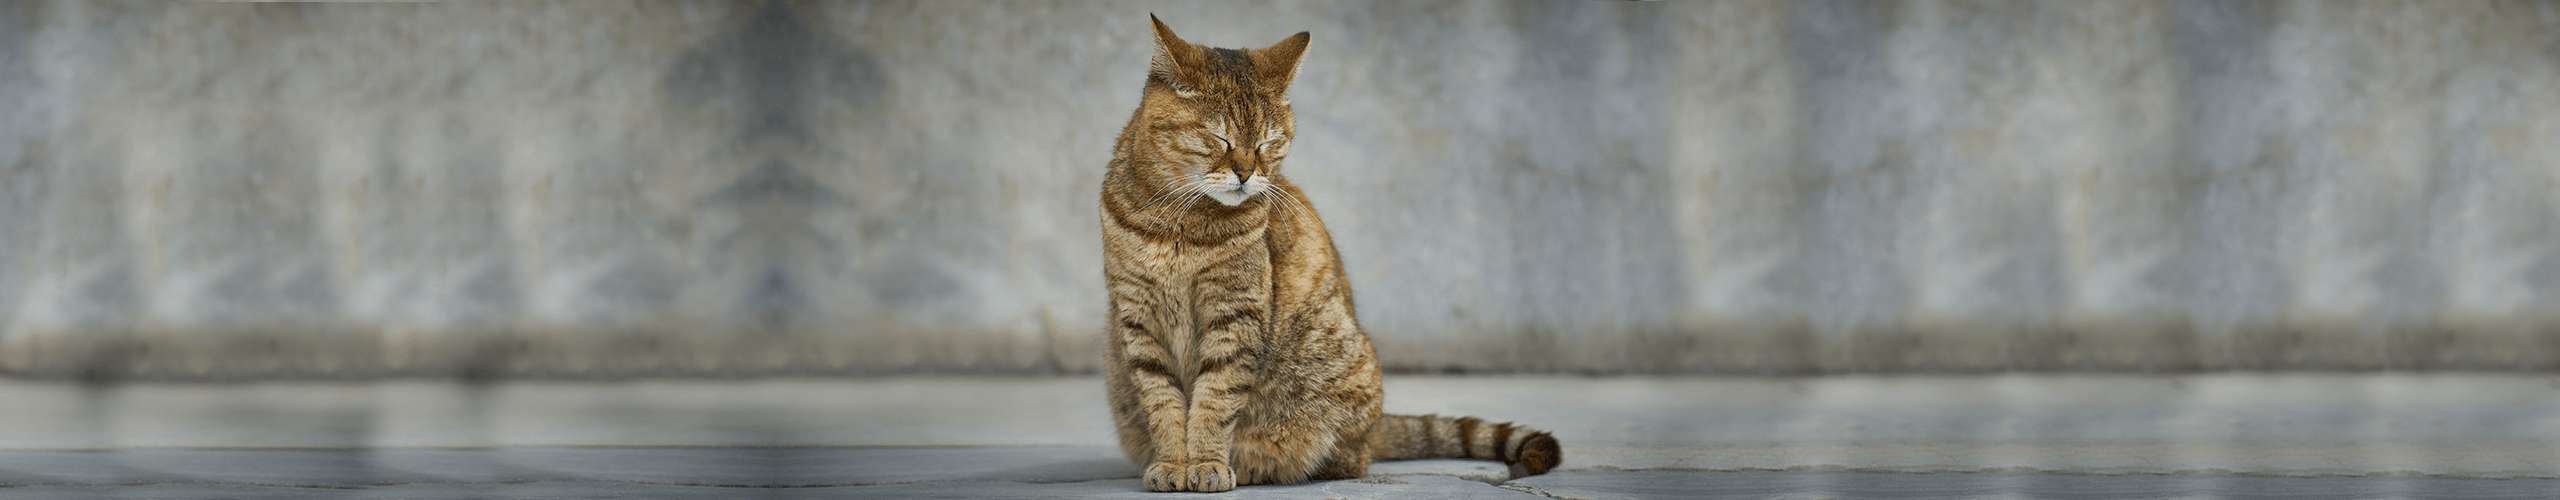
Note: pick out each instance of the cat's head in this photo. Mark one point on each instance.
(1218, 120)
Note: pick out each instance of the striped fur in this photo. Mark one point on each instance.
(1235, 356)
(1528, 451)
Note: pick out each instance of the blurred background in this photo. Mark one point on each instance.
(1855, 249)
(605, 189)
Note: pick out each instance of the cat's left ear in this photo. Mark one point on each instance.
(1278, 64)
(1174, 60)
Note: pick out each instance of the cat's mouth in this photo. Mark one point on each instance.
(1227, 191)
(1232, 197)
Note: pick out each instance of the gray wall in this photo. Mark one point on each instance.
(191, 190)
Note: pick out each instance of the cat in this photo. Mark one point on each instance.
(1234, 354)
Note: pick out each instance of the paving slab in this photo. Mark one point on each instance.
(2206, 436)
(1400, 487)
(821, 466)
(1071, 472)
(1953, 486)
(735, 473)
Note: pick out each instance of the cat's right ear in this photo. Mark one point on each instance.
(1172, 61)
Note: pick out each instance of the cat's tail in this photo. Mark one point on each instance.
(1529, 451)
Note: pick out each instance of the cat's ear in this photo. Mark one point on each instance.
(1174, 58)
(1278, 64)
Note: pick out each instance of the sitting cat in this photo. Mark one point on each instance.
(1235, 357)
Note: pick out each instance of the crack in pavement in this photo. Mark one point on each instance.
(1470, 477)
(1523, 488)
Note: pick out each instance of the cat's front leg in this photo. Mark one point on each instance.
(1150, 369)
(1226, 379)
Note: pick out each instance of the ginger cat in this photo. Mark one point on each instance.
(1235, 357)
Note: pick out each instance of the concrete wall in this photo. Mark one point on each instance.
(590, 188)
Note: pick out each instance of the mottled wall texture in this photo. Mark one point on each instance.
(608, 189)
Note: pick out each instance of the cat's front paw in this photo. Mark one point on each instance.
(1165, 476)
(1212, 477)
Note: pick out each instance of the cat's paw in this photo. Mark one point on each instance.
(1165, 476)
(1212, 477)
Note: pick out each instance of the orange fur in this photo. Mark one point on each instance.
(1235, 357)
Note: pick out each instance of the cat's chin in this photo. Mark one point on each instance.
(1230, 198)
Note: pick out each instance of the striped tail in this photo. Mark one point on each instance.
(1529, 451)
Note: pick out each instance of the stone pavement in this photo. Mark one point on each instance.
(1056, 472)
(2211, 436)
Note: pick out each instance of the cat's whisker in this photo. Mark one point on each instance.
(1173, 187)
(1169, 195)
(1180, 191)
(1292, 200)
(1195, 190)
(1276, 200)
(1185, 209)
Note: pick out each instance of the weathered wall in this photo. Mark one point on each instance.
(607, 188)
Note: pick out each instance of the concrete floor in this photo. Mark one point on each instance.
(2219, 436)
(1058, 472)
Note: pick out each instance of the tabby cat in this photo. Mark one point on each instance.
(1234, 354)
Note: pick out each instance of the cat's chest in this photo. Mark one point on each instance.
(1190, 284)
(1174, 262)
